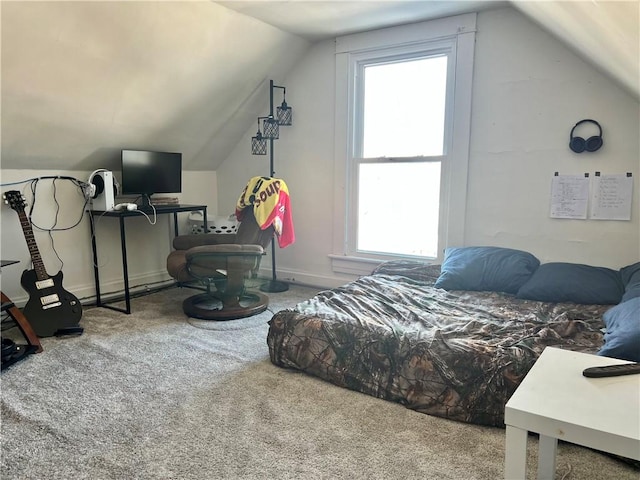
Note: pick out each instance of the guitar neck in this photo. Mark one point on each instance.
(36, 259)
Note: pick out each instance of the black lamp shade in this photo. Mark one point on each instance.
(284, 114)
(270, 128)
(258, 145)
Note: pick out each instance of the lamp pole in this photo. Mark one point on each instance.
(273, 285)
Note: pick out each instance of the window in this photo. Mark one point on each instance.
(398, 208)
(404, 107)
(398, 153)
(402, 135)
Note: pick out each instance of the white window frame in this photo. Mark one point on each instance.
(454, 36)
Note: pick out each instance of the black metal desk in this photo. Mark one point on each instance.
(122, 215)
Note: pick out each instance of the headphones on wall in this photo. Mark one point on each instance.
(591, 144)
(95, 184)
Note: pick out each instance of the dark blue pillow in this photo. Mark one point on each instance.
(631, 279)
(622, 336)
(493, 269)
(573, 282)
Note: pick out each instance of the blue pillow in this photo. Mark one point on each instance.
(573, 282)
(493, 269)
(622, 335)
(631, 279)
(630, 273)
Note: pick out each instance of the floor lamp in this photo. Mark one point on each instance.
(271, 131)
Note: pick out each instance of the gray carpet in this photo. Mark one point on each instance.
(154, 395)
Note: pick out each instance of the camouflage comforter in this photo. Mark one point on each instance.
(454, 354)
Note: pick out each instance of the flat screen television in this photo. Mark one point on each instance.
(145, 173)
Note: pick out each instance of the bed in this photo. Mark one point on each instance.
(403, 334)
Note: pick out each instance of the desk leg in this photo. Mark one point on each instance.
(547, 447)
(175, 224)
(125, 270)
(96, 272)
(204, 222)
(515, 462)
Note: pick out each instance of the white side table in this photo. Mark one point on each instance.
(556, 401)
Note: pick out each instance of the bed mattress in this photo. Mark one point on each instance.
(454, 354)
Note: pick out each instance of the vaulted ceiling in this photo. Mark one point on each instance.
(81, 80)
(317, 20)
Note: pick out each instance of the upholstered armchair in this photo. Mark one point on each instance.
(220, 263)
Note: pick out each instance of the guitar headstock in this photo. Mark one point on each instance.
(15, 200)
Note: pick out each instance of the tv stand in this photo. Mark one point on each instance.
(122, 215)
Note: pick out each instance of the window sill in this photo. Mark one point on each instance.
(353, 265)
(364, 266)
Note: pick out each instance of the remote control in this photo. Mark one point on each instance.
(612, 370)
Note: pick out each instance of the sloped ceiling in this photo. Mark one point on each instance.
(81, 80)
(606, 33)
(317, 19)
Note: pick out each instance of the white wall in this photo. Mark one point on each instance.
(304, 159)
(147, 245)
(529, 90)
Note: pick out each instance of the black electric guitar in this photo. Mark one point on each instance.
(51, 310)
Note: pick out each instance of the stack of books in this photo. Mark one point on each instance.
(165, 200)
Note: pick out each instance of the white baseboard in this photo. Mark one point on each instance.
(111, 289)
(115, 288)
(307, 279)
(145, 282)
